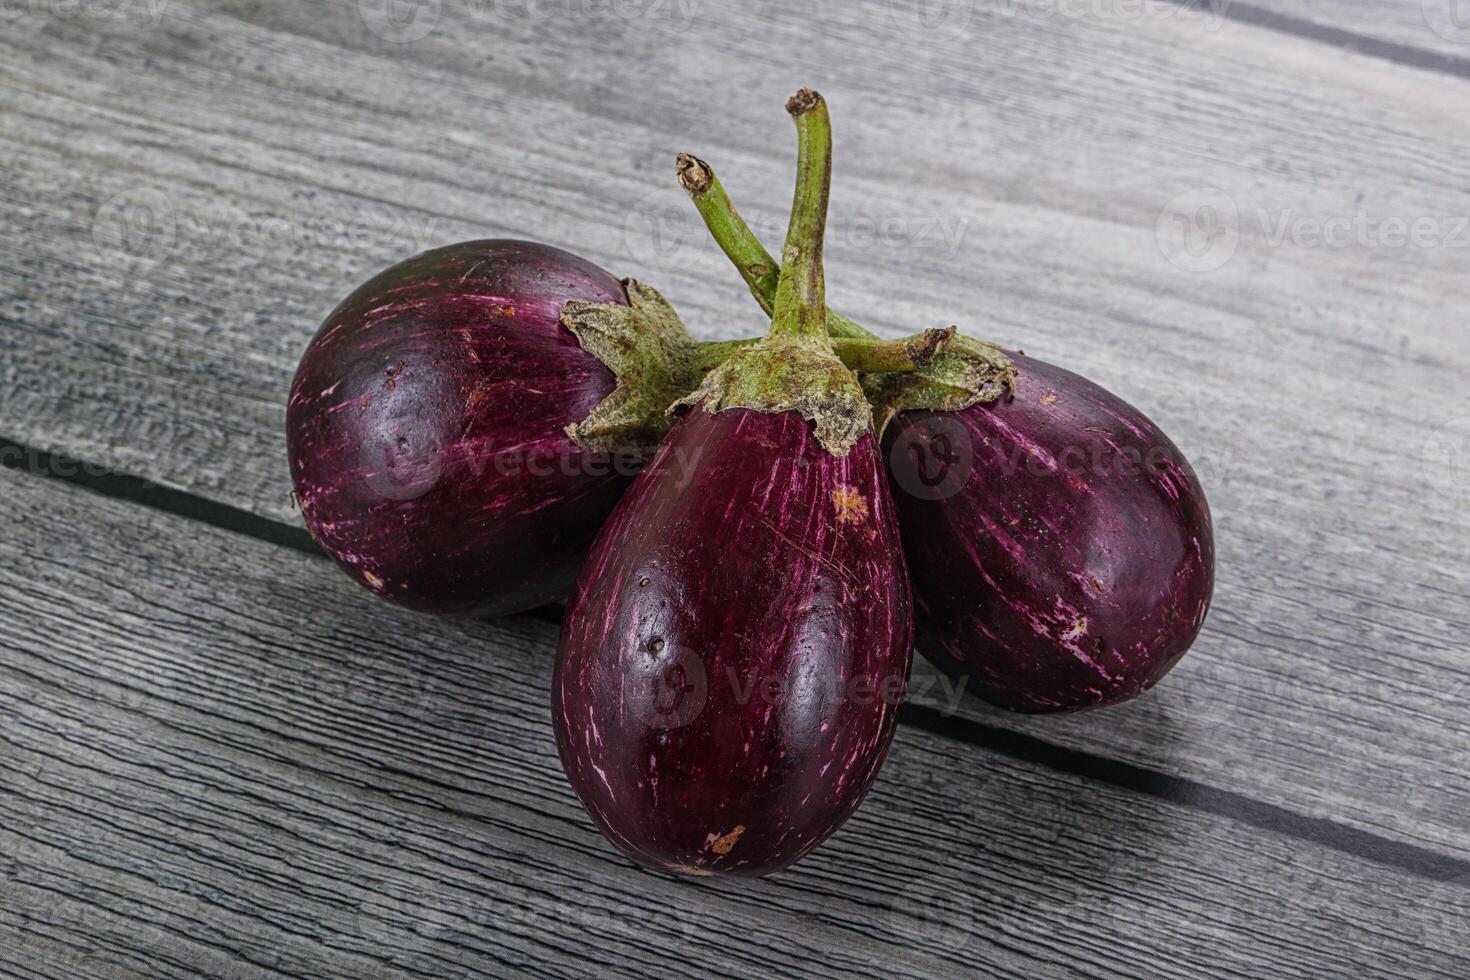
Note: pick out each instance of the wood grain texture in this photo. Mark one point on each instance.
(1019, 176)
(217, 760)
(1433, 35)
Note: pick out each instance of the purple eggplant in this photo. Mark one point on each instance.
(1059, 544)
(736, 647)
(427, 429)
(738, 641)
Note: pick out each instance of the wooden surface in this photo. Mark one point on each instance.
(219, 758)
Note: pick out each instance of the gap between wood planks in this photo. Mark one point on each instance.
(1178, 790)
(1401, 54)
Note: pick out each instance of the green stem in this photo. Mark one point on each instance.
(711, 354)
(870, 355)
(758, 267)
(801, 291)
(865, 355)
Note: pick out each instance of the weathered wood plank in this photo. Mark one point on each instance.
(217, 760)
(1433, 35)
(1331, 677)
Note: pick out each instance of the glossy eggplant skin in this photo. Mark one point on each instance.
(425, 429)
(736, 647)
(1060, 546)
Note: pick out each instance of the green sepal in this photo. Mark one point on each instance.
(648, 349)
(968, 372)
(779, 375)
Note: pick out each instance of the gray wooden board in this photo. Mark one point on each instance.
(1025, 168)
(1312, 386)
(218, 760)
(1429, 33)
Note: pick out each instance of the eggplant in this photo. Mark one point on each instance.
(1060, 547)
(736, 647)
(426, 429)
(739, 639)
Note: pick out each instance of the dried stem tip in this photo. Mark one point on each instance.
(929, 343)
(695, 176)
(804, 101)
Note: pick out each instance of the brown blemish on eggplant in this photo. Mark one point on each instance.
(724, 844)
(850, 505)
(685, 869)
(502, 311)
(478, 395)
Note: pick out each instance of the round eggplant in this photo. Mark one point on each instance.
(1059, 544)
(426, 429)
(736, 647)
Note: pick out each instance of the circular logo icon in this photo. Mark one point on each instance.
(932, 913)
(139, 223)
(663, 231)
(1199, 230)
(931, 20)
(1450, 19)
(1446, 459)
(671, 688)
(400, 21)
(403, 464)
(933, 458)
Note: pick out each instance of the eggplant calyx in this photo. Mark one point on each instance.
(968, 372)
(653, 357)
(794, 367)
(779, 375)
